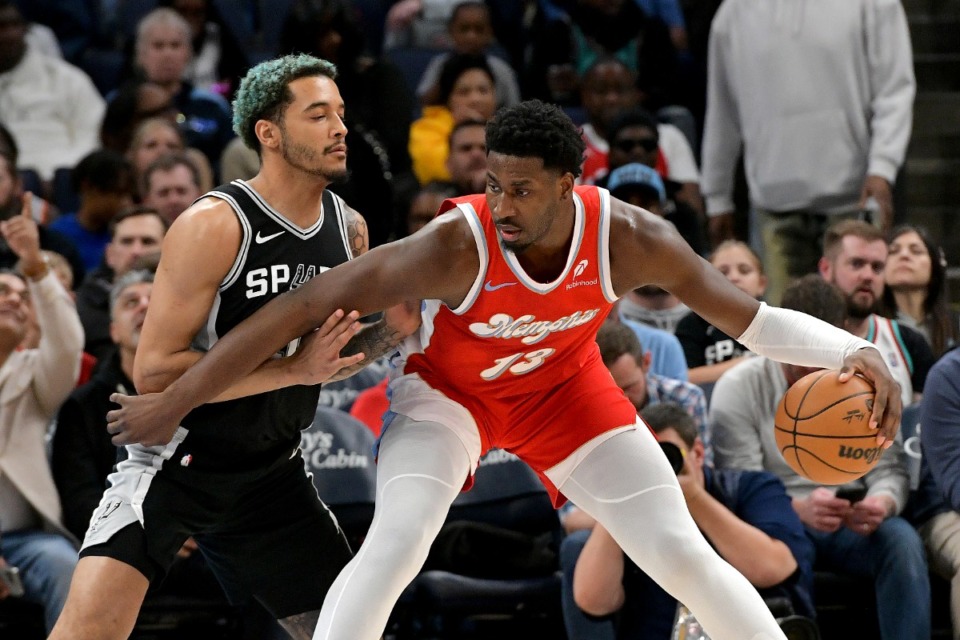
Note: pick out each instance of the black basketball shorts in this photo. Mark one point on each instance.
(265, 534)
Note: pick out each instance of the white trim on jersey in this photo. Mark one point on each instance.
(428, 312)
(579, 224)
(603, 251)
(278, 217)
(246, 230)
(338, 205)
(473, 219)
(207, 336)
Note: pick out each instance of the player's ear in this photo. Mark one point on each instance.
(268, 133)
(567, 182)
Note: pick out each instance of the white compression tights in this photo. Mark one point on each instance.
(628, 486)
(625, 483)
(420, 470)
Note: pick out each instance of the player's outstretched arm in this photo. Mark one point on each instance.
(384, 277)
(645, 249)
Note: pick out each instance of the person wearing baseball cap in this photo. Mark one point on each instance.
(639, 185)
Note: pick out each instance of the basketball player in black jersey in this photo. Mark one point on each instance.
(232, 477)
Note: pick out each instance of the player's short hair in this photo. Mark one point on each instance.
(836, 232)
(265, 91)
(127, 280)
(535, 129)
(616, 339)
(669, 415)
(814, 296)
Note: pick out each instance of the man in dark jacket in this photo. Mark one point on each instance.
(134, 233)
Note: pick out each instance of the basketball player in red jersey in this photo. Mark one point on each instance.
(515, 284)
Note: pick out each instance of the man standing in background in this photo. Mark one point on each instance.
(819, 97)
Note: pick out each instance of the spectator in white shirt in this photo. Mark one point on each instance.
(51, 107)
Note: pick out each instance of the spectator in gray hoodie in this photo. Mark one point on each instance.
(820, 99)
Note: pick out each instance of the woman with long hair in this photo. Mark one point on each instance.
(915, 291)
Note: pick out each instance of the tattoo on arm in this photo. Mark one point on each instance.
(357, 233)
(374, 341)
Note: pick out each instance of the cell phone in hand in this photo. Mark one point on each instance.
(853, 494)
(10, 576)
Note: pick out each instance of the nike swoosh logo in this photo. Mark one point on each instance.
(261, 239)
(493, 287)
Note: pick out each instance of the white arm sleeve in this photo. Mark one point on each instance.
(797, 338)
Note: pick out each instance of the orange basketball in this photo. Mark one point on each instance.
(822, 428)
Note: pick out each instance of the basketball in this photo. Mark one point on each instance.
(822, 428)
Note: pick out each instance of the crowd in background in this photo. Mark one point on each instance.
(115, 116)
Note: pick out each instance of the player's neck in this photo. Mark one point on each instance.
(546, 259)
(296, 195)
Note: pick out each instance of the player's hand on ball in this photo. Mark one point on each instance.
(318, 355)
(887, 405)
(146, 420)
(822, 510)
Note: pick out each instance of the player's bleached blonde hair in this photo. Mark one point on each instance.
(264, 92)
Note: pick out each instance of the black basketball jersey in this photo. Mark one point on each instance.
(275, 256)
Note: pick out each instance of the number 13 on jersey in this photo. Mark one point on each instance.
(517, 364)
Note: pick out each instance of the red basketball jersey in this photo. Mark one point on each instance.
(512, 335)
(521, 356)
